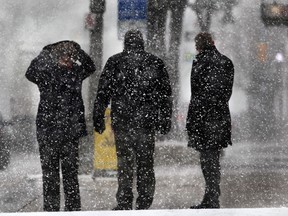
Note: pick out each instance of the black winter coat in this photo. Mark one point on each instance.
(138, 86)
(61, 108)
(208, 120)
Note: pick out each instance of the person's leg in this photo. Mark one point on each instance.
(70, 165)
(49, 157)
(210, 165)
(145, 170)
(125, 164)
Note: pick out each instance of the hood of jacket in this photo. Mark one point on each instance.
(133, 41)
(60, 44)
(60, 49)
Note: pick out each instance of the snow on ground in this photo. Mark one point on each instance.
(182, 212)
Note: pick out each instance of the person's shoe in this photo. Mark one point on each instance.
(121, 207)
(196, 206)
(143, 206)
(205, 206)
(139, 207)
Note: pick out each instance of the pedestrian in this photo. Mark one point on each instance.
(138, 86)
(208, 120)
(58, 71)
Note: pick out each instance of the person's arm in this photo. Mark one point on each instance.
(104, 94)
(87, 64)
(165, 99)
(69, 53)
(217, 87)
(37, 71)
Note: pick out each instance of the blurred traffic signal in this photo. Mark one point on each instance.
(274, 14)
(262, 50)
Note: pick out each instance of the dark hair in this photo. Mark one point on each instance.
(62, 48)
(62, 45)
(203, 40)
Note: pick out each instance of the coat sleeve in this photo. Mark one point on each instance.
(219, 83)
(104, 93)
(165, 101)
(87, 64)
(38, 71)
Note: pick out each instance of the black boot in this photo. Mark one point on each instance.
(205, 206)
(208, 202)
(122, 207)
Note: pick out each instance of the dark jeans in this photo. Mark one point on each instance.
(135, 148)
(53, 155)
(210, 165)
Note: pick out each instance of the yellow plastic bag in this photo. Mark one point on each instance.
(105, 151)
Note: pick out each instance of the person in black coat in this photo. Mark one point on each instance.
(138, 86)
(59, 71)
(208, 120)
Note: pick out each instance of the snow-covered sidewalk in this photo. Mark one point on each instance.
(182, 212)
(254, 177)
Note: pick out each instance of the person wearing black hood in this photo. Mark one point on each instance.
(138, 86)
(208, 120)
(58, 71)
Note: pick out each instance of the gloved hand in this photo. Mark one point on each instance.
(99, 125)
(164, 126)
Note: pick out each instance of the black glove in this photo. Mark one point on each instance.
(99, 125)
(164, 126)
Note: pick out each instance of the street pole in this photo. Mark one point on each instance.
(97, 9)
(177, 8)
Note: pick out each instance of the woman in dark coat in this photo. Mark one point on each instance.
(208, 119)
(58, 71)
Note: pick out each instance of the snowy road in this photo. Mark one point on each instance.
(253, 176)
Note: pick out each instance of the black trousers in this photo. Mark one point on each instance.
(210, 165)
(57, 155)
(135, 150)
